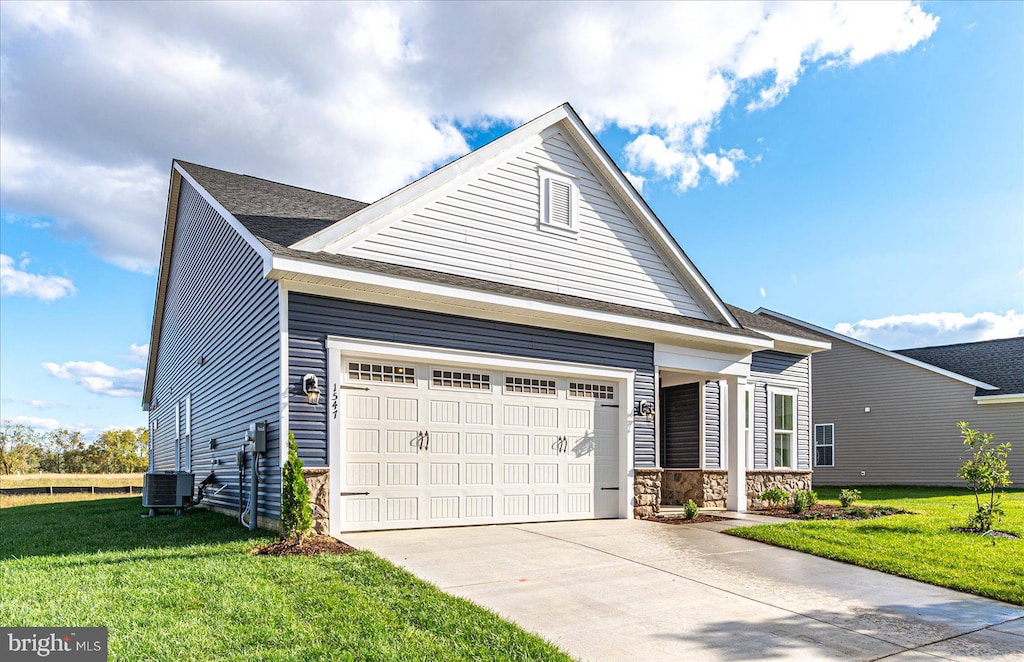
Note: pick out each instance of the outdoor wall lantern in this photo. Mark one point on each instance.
(311, 387)
(646, 408)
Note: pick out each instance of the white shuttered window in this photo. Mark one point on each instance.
(559, 202)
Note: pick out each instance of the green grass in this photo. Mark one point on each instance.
(187, 588)
(919, 546)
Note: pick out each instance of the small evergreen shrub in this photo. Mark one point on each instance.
(802, 500)
(690, 510)
(847, 497)
(296, 511)
(774, 496)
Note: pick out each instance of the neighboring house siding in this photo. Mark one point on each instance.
(910, 435)
(219, 307)
(712, 425)
(311, 319)
(489, 229)
(767, 369)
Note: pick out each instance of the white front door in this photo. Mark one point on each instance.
(442, 445)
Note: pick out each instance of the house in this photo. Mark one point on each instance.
(493, 343)
(889, 417)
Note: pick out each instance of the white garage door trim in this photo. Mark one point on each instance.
(339, 347)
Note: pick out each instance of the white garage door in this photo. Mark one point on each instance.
(426, 445)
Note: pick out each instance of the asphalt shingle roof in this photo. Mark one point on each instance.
(772, 325)
(996, 362)
(279, 215)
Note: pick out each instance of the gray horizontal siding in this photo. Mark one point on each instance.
(910, 435)
(773, 368)
(311, 319)
(219, 307)
(712, 425)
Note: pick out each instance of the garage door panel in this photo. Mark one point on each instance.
(443, 447)
(444, 473)
(362, 441)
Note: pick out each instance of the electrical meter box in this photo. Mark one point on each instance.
(257, 436)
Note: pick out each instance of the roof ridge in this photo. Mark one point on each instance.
(269, 181)
(958, 344)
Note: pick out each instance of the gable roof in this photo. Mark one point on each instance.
(277, 214)
(983, 387)
(997, 362)
(414, 195)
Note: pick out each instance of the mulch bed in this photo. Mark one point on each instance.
(821, 511)
(990, 534)
(310, 546)
(679, 519)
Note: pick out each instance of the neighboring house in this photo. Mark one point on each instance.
(484, 345)
(889, 417)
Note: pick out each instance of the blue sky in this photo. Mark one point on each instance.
(880, 193)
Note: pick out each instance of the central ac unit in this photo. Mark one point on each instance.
(167, 489)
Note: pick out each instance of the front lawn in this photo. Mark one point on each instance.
(919, 546)
(187, 588)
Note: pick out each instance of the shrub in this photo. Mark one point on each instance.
(846, 497)
(690, 510)
(803, 499)
(774, 495)
(296, 512)
(986, 473)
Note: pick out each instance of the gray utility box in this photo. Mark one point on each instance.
(167, 489)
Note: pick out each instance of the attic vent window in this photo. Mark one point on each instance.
(559, 203)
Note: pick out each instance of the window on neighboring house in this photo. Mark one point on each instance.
(784, 430)
(559, 203)
(824, 445)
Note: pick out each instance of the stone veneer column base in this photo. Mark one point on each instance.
(646, 492)
(709, 487)
(319, 492)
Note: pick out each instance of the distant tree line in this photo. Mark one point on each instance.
(24, 449)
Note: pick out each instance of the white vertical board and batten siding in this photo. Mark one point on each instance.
(219, 307)
(489, 228)
(767, 369)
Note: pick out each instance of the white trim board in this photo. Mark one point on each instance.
(419, 289)
(1006, 398)
(878, 350)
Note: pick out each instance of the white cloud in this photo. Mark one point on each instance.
(637, 181)
(357, 99)
(100, 378)
(138, 353)
(45, 424)
(15, 281)
(927, 329)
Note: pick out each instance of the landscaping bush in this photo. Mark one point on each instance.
(296, 512)
(802, 500)
(986, 473)
(690, 510)
(774, 496)
(847, 497)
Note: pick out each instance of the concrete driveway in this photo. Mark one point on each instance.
(626, 589)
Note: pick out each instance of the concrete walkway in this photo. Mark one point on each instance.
(626, 589)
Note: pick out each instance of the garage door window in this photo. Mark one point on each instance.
(381, 372)
(458, 379)
(587, 390)
(530, 385)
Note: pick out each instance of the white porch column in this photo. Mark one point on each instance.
(736, 440)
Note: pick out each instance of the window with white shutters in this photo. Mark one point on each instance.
(559, 201)
(824, 445)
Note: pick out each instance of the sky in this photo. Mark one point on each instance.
(859, 166)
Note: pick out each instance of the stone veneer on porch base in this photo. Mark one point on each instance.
(710, 487)
(646, 492)
(319, 492)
